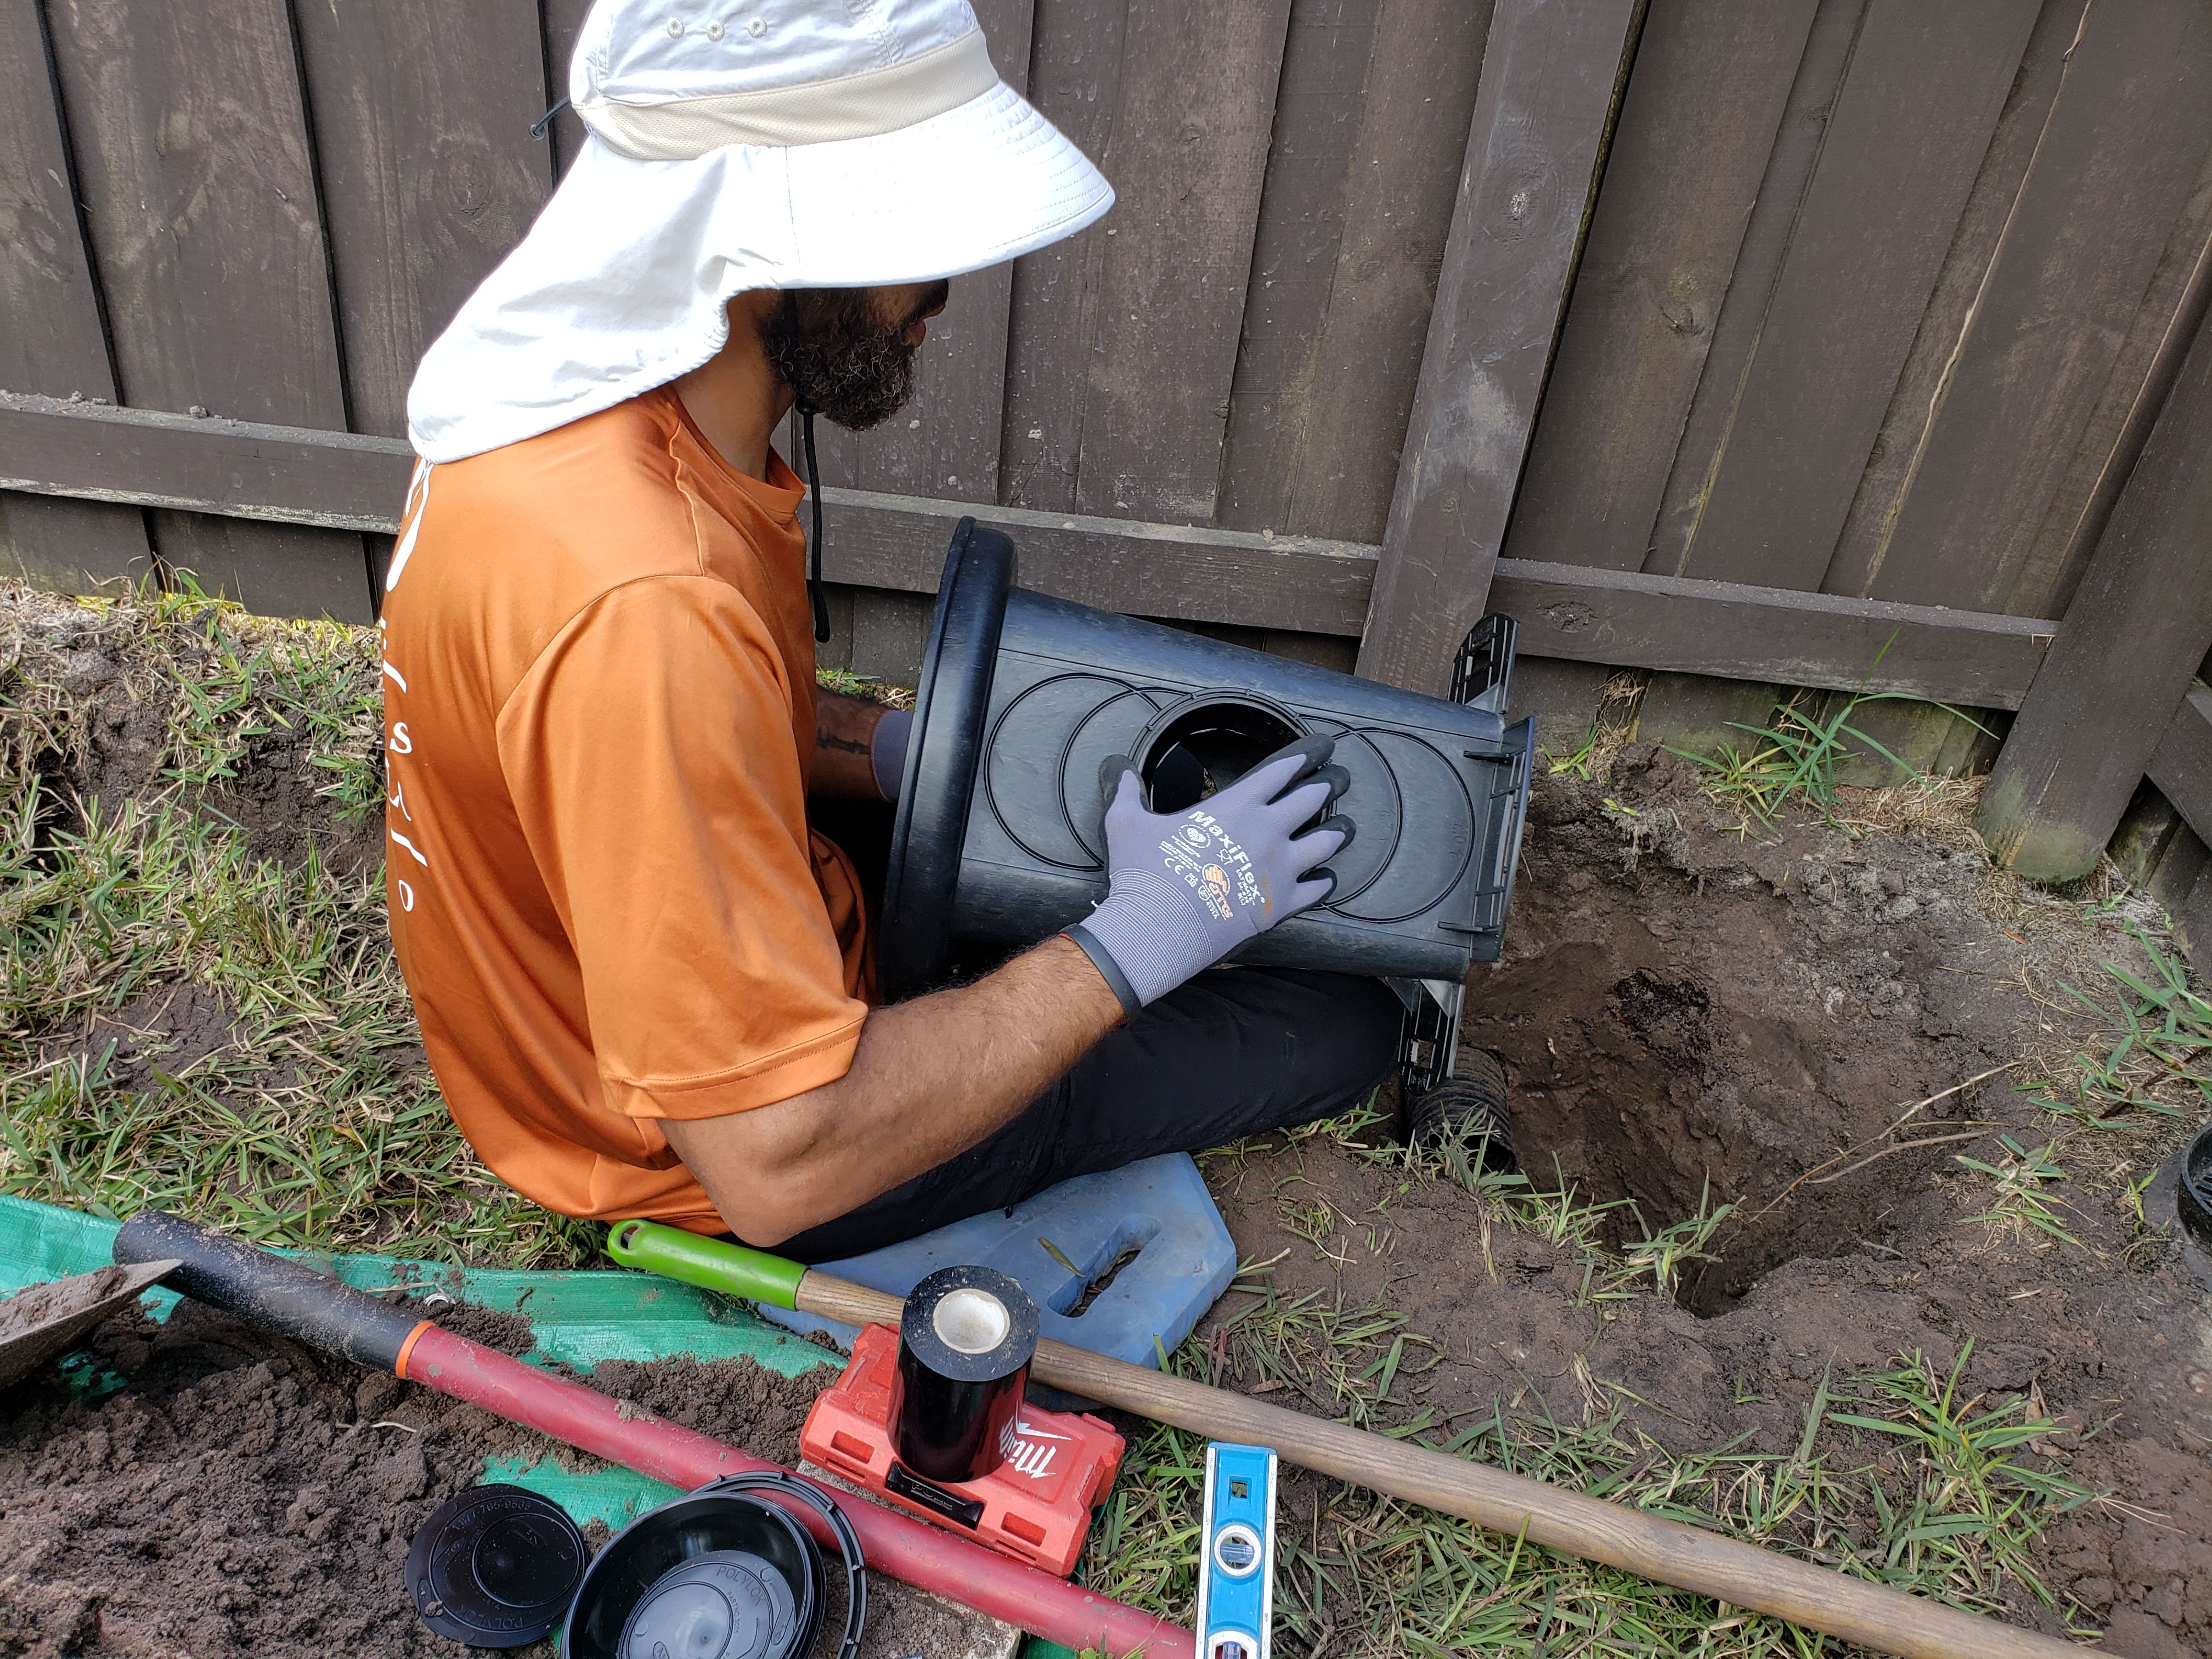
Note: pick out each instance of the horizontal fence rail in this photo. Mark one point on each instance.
(1184, 573)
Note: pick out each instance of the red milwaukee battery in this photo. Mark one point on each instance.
(1036, 1505)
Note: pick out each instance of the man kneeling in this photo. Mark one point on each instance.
(643, 980)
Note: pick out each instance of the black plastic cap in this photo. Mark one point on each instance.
(495, 1567)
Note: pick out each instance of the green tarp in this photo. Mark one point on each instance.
(580, 1318)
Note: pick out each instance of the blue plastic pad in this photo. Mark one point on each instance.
(1056, 1244)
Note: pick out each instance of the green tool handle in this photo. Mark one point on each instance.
(713, 1264)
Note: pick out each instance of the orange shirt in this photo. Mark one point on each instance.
(598, 722)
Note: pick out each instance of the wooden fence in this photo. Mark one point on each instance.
(1741, 344)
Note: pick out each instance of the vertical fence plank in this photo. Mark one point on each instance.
(2126, 140)
(1370, 127)
(1329, 49)
(192, 146)
(1689, 708)
(50, 337)
(1924, 738)
(2174, 306)
(430, 172)
(1549, 75)
(2139, 626)
(1075, 79)
(71, 547)
(946, 442)
(1910, 127)
(1759, 262)
(1188, 155)
(1951, 303)
(1127, 387)
(53, 342)
(1697, 125)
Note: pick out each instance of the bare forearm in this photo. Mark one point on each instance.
(931, 1079)
(844, 743)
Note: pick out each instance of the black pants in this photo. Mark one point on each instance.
(1232, 1053)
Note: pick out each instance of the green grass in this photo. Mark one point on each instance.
(1795, 756)
(1898, 1474)
(1610, 727)
(314, 1122)
(244, 679)
(1660, 1256)
(1913, 1486)
(2023, 1198)
(2157, 1055)
(845, 682)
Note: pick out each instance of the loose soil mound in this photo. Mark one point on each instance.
(241, 1495)
(272, 725)
(1689, 1016)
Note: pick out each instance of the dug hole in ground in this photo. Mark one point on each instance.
(1769, 1263)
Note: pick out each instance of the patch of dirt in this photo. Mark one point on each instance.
(170, 1027)
(121, 717)
(1679, 1008)
(748, 1403)
(107, 693)
(273, 799)
(239, 1494)
(1689, 1017)
(242, 1495)
(509, 1332)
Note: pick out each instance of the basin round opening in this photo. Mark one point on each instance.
(1200, 746)
(970, 1320)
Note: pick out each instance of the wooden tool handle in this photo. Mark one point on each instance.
(1742, 1575)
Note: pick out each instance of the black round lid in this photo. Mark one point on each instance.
(2193, 1199)
(495, 1567)
(720, 1604)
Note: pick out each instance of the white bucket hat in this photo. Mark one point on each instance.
(765, 143)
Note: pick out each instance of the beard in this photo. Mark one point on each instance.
(843, 359)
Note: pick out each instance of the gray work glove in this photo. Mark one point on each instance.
(1185, 889)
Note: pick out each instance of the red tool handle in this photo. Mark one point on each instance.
(269, 1290)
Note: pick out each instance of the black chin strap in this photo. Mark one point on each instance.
(814, 491)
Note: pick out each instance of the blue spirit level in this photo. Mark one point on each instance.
(1236, 1571)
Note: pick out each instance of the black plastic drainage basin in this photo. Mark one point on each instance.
(1000, 839)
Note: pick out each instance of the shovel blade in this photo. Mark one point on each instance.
(47, 1321)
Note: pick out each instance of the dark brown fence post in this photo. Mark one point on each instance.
(1549, 72)
(2139, 626)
